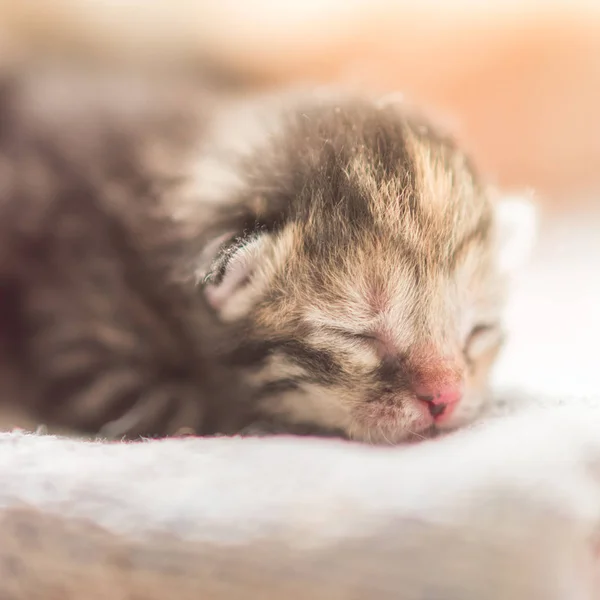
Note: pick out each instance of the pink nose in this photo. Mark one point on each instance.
(440, 399)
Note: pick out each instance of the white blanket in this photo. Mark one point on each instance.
(509, 509)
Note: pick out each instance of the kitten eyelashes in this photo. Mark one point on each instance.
(371, 343)
(350, 335)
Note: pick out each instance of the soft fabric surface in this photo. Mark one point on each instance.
(507, 509)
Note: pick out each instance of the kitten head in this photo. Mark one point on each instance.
(360, 265)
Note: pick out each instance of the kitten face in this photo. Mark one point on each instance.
(361, 268)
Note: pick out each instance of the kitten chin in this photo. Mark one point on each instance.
(316, 263)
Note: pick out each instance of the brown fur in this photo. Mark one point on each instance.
(371, 243)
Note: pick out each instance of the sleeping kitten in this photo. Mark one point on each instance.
(304, 262)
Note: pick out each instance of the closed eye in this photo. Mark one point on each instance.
(350, 335)
(365, 340)
(480, 329)
(481, 338)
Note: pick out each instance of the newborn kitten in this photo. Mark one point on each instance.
(303, 262)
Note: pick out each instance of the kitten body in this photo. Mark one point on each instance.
(318, 262)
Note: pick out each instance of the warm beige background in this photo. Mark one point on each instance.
(519, 81)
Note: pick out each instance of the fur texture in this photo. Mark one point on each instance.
(305, 262)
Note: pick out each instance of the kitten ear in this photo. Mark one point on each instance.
(517, 224)
(226, 266)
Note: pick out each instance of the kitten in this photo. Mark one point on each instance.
(306, 262)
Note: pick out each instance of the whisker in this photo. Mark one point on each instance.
(422, 437)
(385, 437)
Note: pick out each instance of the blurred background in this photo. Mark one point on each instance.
(517, 80)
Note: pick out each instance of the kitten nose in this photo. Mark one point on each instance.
(439, 398)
